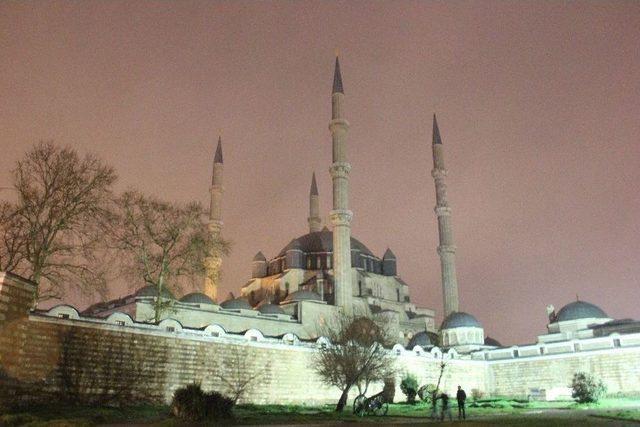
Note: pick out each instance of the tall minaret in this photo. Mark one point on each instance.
(446, 249)
(213, 261)
(340, 215)
(315, 223)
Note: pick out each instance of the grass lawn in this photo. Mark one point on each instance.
(485, 412)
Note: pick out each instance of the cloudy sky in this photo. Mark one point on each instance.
(538, 105)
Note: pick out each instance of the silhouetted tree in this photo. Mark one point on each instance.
(160, 243)
(49, 234)
(356, 353)
(238, 374)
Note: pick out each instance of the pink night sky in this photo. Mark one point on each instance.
(538, 104)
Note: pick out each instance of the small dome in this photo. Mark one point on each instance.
(152, 291)
(196, 298)
(259, 257)
(421, 338)
(269, 308)
(303, 296)
(580, 310)
(492, 342)
(236, 304)
(460, 319)
(388, 255)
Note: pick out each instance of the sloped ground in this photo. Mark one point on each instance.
(611, 412)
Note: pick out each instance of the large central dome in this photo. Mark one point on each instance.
(321, 242)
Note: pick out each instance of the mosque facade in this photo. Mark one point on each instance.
(277, 317)
(326, 273)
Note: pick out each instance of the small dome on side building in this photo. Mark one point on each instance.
(152, 291)
(421, 338)
(580, 310)
(302, 295)
(460, 319)
(236, 304)
(196, 298)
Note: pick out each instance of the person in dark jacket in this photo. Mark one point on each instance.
(445, 406)
(461, 396)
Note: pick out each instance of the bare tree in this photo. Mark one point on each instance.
(160, 243)
(49, 234)
(13, 236)
(237, 374)
(355, 355)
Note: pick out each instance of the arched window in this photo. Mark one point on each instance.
(398, 294)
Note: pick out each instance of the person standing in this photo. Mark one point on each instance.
(445, 406)
(461, 396)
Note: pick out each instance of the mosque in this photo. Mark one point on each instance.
(326, 272)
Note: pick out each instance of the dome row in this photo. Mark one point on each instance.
(232, 304)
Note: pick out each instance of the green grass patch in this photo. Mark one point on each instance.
(480, 412)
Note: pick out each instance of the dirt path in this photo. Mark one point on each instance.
(542, 417)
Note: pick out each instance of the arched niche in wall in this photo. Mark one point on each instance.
(119, 318)
(253, 335)
(215, 331)
(170, 325)
(64, 311)
(290, 339)
(398, 349)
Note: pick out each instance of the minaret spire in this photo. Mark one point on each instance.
(340, 215)
(446, 249)
(213, 261)
(218, 157)
(315, 222)
(337, 78)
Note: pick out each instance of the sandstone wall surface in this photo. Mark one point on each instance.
(619, 369)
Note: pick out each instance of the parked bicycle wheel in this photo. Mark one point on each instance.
(359, 405)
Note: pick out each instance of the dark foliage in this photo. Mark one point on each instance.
(587, 388)
(409, 387)
(425, 393)
(192, 404)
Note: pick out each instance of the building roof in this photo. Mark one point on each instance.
(196, 298)
(421, 338)
(218, 156)
(389, 255)
(337, 79)
(313, 191)
(269, 308)
(436, 131)
(492, 342)
(580, 310)
(259, 257)
(460, 319)
(321, 241)
(236, 304)
(152, 291)
(302, 295)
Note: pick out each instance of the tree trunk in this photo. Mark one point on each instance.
(343, 399)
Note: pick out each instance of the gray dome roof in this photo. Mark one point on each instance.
(321, 241)
(460, 319)
(388, 255)
(421, 338)
(259, 257)
(580, 310)
(196, 298)
(492, 341)
(236, 304)
(270, 309)
(152, 291)
(303, 296)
